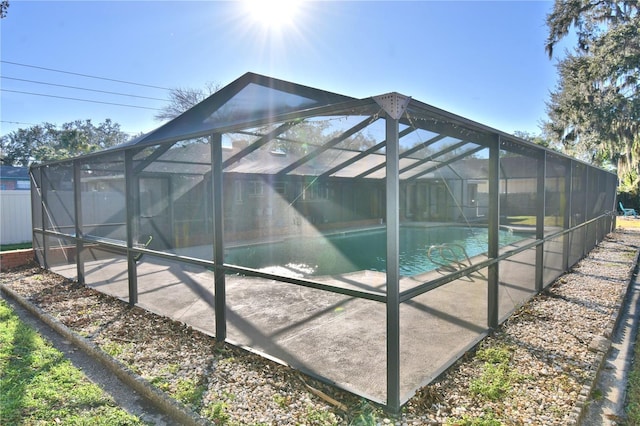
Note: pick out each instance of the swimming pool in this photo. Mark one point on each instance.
(356, 251)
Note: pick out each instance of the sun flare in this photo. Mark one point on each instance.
(273, 13)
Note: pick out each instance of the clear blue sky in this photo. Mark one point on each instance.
(484, 60)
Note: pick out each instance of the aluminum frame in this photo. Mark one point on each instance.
(404, 111)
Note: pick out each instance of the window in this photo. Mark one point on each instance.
(472, 193)
(315, 191)
(280, 187)
(238, 191)
(255, 188)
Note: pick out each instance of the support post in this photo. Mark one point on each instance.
(130, 203)
(541, 202)
(34, 225)
(494, 227)
(393, 268)
(586, 246)
(566, 220)
(77, 211)
(45, 217)
(220, 304)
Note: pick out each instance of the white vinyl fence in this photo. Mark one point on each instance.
(15, 217)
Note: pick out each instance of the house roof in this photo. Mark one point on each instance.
(14, 173)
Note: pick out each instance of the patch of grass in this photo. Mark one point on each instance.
(171, 368)
(38, 385)
(487, 419)
(494, 355)
(229, 360)
(531, 220)
(497, 375)
(364, 415)
(627, 223)
(20, 246)
(160, 382)
(282, 401)
(113, 348)
(494, 383)
(632, 407)
(320, 417)
(216, 413)
(229, 396)
(596, 394)
(189, 392)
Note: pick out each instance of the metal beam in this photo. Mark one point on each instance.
(566, 221)
(431, 157)
(352, 160)
(152, 157)
(43, 204)
(446, 163)
(257, 144)
(34, 187)
(446, 126)
(494, 227)
(588, 190)
(421, 145)
(404, 154)
(364, 154)
(130, 205)
(217, 196)
(541, 202)
(333, 142)
(77, 212)
(393, 267)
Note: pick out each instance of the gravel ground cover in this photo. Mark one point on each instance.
(537, 368)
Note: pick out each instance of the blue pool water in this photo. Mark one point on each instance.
(356, 251)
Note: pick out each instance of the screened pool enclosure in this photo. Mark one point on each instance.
(366, 242)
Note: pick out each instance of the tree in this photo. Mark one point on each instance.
(182, 99)
(301, 138)
(21, 147)
(4, 5)
(533, 138)
(594, 112)
(46, 142)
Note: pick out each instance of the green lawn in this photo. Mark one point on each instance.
(633, 391)
(9, 247)
(38, 385)
(633, 386)
(530, 220)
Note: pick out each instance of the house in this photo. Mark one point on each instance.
(14, 178)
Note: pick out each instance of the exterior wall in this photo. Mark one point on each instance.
(7, 185)
(14, 258)
(14, 178)
(15, 185)
(15, 221)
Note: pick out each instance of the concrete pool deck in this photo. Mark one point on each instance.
(338, 338)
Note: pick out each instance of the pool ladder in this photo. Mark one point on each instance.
(452, 261)
(449, 260)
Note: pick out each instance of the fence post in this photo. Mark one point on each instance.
(393, 269)
(494, 228)
(130, 202)
(568, 237)
(217, 195)
(541, 202)
(77, 205)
